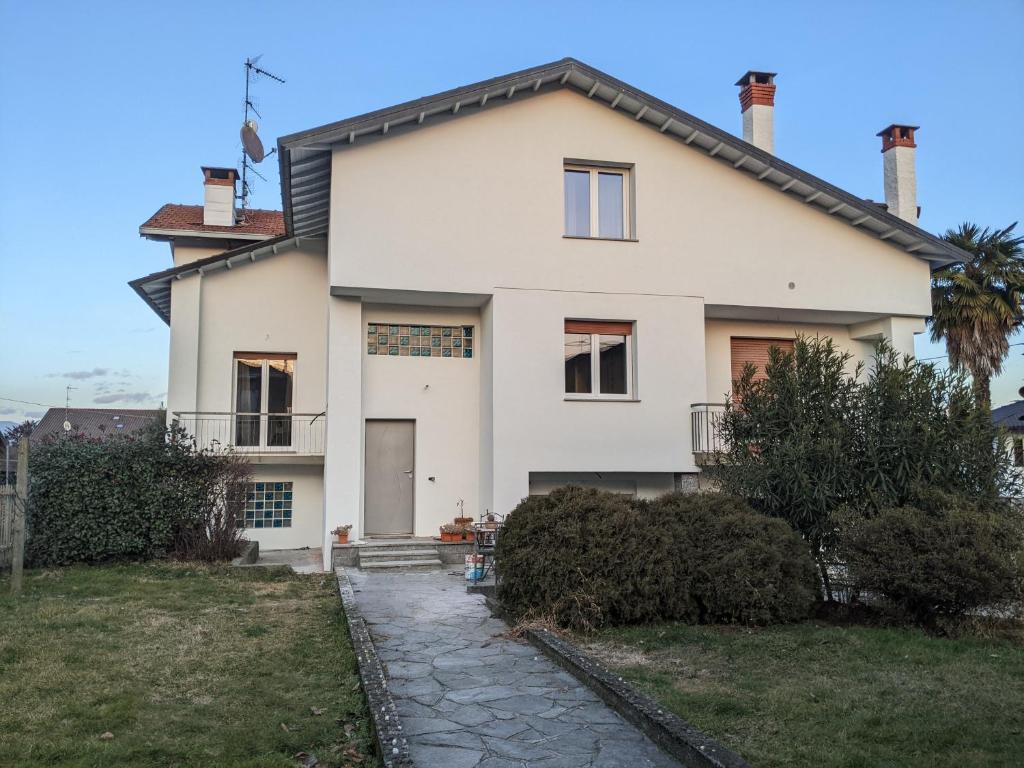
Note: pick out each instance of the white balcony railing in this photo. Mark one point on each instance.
(704, 427)
(296, 434)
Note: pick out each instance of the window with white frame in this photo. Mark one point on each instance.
(264, 386)
(597, 202)
(598, 359)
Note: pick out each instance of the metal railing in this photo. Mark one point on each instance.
(299, 434)
(704, 427)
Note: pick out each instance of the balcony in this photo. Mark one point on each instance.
(256, 434)
(704, 433)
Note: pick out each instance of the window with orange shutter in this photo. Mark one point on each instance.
(598, 359)
(755, 351)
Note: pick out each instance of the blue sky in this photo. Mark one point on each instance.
(108, 109)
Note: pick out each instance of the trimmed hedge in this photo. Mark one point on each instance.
(942, 561)
(123, 497)
(586, 559)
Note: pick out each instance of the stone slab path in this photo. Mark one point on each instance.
(470, 698)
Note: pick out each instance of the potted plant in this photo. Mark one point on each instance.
(451, 533)
(342, 533)
(468, 533)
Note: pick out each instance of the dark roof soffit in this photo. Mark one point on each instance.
(304, 157)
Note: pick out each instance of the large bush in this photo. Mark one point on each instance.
(123, 497)
(943, 560)
(587, 558)
(812, 439)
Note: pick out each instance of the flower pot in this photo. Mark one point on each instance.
(343, 538)
(469, 536)
(463, 520)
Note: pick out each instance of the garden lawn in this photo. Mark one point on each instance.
(828, 696)
(185, 665)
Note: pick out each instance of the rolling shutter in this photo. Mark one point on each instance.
(599, 326)
(755, 351)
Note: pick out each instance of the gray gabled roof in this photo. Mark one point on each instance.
(305, 157)
(1010, 417)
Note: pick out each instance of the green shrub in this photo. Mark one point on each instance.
(943, 560)
(123, 497)
(588, 558)
(742, 567)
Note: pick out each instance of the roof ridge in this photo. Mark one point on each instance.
(307, 173)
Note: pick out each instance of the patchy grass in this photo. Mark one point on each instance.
(185, 665)
(833, 697)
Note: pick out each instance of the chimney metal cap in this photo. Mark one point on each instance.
(897, 135)
(889, 128)
(753, 77)
(218, 172)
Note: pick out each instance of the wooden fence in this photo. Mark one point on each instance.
(7, 497)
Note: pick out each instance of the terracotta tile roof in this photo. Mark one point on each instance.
(190, 218)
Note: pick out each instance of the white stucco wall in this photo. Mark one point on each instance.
(307, 506)
(442, 395)
(278, 304)
(477, 203)
(718, 335)
(537, 429)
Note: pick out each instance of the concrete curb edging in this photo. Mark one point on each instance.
(394, 747)
(250, 554)
(671, 733)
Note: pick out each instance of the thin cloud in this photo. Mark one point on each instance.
(124, 397)
(8, 411)
(80, 375)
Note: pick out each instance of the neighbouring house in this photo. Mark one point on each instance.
(546, 277)
(95, 423)
(1010, 418)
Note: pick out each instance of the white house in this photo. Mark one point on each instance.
(494, 290)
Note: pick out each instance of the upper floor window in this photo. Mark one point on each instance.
(598, 359)
(1018, 452)
(264, 387)
(597, 202)
(756, 352)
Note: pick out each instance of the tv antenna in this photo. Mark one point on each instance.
(252, 147)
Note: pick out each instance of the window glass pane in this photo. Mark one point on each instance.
(281, 374)
(613, 365)
(577, 203)
(609, 204)
(248, 392)
(577, 363)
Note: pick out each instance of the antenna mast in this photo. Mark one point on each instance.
(252, 148)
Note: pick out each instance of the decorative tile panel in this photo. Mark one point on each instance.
(454, 341)
(267, 505)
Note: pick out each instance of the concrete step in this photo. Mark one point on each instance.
(402, 544)
(401, 565)
(397, 554)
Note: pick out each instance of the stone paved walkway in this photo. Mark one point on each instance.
(469, 698)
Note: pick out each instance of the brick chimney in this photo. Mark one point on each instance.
(219, 196)
(757, 102)
(898, 150)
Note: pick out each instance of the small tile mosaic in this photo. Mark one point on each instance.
(268, 505)
(419, 340)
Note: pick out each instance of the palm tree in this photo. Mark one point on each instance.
(977, 305)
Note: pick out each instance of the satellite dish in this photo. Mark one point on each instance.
(251, 141)
(67, 425)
